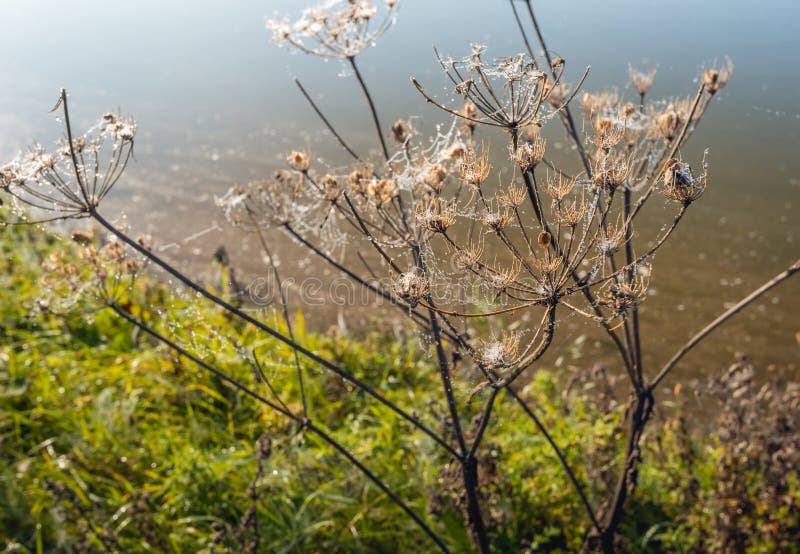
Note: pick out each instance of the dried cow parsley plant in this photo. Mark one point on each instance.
(338, 29)
(71, 181)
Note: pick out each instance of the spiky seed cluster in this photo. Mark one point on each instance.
(642, 81)
(500, 353)
(411, 287)
(680, 184)
(496, 220)
(436, 216)
(338, 29)
(512, 197)
(559, 187)
(469, 257)
(611, 240)
(299, 160)
(715, 78)
(669, 122)
(548, 268)
(401, 131)
(620, 296)
(73, 180)
(569, 214)
(504, 277)
(474, 167)
(331, 188)
(529, 154)
(381, 191)
(611, 171)
(607, 133)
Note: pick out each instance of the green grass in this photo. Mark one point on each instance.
(109, 441)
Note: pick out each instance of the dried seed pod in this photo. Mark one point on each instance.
(331, 188)
(401, 131)
(680, 184)
(299, 160)
(474, 168)
(411, 287)
(529, 154)
(434, 177)
(544, 239)
(715, 78)
(436, 215)
(669, 123)
(642, 81)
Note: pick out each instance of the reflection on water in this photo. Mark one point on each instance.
(216, 106)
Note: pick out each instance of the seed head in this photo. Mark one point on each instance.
(496, 220)
(715, 78)
(628, 110)
(356, 181)
(436, 215)
(82, 237)
(331, 188)
(611, 240)
(474, 168)
(669, 123)
(548, 267)
(455, 151)
(607, 133)
(338, 29)
(401, 131)
(642, 81)
(559, 187)
(619, 295)
(544, 239)
(411, 287)
(570, 214)
(469, 257)
(145, 241)
(512, 197)
(610, 172)
(434, 177)
(679, 183)
(500, 353)
(599, 103)
(299, 161)
(72, 180)
(529, 154)
(381, 191)
(504, 277)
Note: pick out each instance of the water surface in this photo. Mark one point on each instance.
(216, 106)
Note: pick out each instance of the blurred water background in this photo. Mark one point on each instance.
(216, 106)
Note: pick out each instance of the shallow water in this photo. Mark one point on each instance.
(216, 106)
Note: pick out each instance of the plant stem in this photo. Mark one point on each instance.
(325, 120)
(272, 332)
(559, 454)
(307, 424)
(522, 31)
(372, 109)
(723, 317)
(570, 122)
